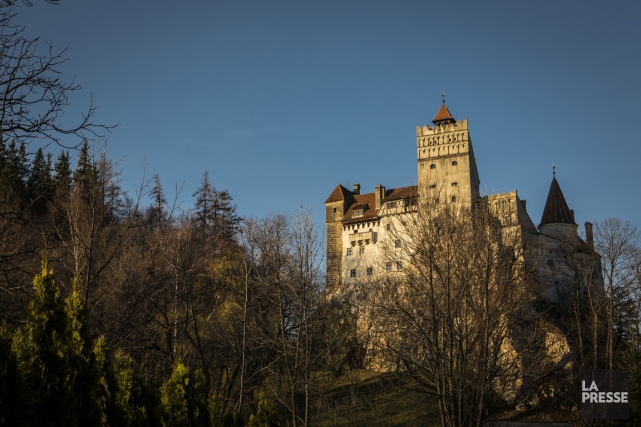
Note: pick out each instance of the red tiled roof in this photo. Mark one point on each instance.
(400, 193)
(443, 115)
(367, 202)
(339, 193)
(556, 208)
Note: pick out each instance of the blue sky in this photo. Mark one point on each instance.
(283, 100)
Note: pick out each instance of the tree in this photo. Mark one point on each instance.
(54, 357)
(14, 410)
(34, 97)
(184, 400)
(265, 415)
(450, 317)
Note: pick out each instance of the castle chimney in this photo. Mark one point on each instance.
(357, 189)
(524, 204)
(589, 237)
(379, 194)
(572, 216)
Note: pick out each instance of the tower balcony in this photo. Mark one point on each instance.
(366, 238)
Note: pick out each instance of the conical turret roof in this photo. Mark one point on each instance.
(443, 115)
(556, 208)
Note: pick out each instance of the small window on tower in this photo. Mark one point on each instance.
(453, 198)
(361, 250)
(454, 163)
(388, 266)
(349, 251)
(387, 227)
(352, 273)
(432, 185)
(370, 270)
(436, 201)
(397, 244)
(455, 184)
(432, 166)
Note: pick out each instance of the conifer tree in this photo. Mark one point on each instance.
(13, 399)
(62, 175)
(55, 359)
(85, 177)
(41, 347)
(184, 401)
(266, 415)
(135, 403)
(39, 182)
(157, 210)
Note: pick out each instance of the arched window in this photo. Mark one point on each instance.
(454, 163)
(432, 166)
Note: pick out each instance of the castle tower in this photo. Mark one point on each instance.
(446, 165)
(558, 218)
(335, 207)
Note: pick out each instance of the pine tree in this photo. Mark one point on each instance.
(55, 359)
(41, 348)
(85, 177)
(39, 182)
(266, 415)
(136, 401)
(13, 399)
(206, 196)
(157, 210)
(62, 176)
(184, 401)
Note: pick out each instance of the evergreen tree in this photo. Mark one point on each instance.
(39, 182)
(266, 415)
(13, 399)
(85, 177)
(15, 171)
(136, 403)
(157, 210)
(215, 212)
(206, 196)
(62, 176)
(54, 357)
(219, 417)
(41, 348)
(184, 400)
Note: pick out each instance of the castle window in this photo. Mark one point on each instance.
(391, 205)
(361, 250)
(370, 270)
(357, 212)
(432, 185)
(455, 184)
(399, 265)
(432, 166)
(397, 244)
(453, 198)
(334, 210)
(454, 163)
(387, 227)
(352, 273)
(436, 201)
(349, 251)
(388, 266)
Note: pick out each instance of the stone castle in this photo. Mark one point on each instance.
(358, 222)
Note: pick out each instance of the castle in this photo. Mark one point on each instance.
(358, 222)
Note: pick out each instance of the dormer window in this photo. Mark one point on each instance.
(391, 205)
(357, 213)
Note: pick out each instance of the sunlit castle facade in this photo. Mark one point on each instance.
(358, 224)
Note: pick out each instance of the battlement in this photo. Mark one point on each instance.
(444, 128)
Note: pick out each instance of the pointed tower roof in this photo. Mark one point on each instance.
(339, 193)
(556, 208)
(443, 115)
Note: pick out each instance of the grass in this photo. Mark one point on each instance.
(370, 398)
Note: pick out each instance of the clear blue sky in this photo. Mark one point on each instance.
(281, 101)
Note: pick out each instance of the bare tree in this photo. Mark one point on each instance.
(449, 315)
(34, 98)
